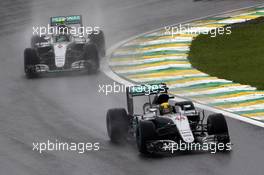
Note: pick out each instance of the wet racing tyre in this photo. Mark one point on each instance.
(216, 125)
(37, 39)
(92, 57)
(30, 60)
(98, 39)
(117, 123)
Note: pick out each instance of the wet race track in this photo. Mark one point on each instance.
(70, 108)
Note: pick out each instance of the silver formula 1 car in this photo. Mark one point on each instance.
(63, 51)
(165, 122)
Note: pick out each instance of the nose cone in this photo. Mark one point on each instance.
(60, 53)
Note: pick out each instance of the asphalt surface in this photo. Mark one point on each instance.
(70, 108)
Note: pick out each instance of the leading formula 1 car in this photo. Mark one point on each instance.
(63, 51)
(164, 121)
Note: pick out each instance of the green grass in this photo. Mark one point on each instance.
(238, 57)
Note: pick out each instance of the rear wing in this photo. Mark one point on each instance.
(143, 90)
(66, 20)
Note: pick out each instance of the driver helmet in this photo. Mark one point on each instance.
(165, 108)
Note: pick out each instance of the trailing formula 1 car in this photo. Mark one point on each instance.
(63, 51)
(164, 122)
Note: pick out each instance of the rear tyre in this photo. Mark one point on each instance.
(145, 132)
(36, 39)
(99, 40)
(117, 123)
(30, 61)
(92, 57)
(216, 125)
